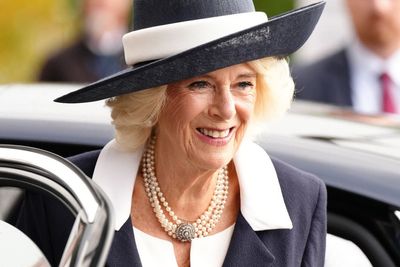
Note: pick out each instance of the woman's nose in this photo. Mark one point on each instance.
(223, 105)
(381, 6)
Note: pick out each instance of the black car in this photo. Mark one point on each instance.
(357, 156)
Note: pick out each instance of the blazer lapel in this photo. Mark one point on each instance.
(246, 248)
(123, 250)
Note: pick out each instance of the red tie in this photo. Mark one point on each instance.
(388, 104)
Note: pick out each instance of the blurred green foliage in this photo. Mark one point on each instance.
(273, 7)
(32, 30)
(29, 32)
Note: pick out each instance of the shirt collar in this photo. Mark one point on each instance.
(261, 200)
(393, 67)
(363, 59)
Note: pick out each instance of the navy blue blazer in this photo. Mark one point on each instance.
(48, 223)
(327, 80)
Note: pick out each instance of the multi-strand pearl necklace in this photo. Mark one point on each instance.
(178, 228)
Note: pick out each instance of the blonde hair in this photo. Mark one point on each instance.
(275, 89)
(134, 115)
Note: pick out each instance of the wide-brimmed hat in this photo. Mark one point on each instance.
(177, 39)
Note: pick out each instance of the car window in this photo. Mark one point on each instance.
(342, 252)
(13, 242)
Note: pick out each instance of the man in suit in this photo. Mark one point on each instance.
(98, 51)
(364, 75)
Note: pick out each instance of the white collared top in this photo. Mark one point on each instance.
(365, 69)
(261, 202)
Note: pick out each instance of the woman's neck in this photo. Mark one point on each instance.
(187, 188)
(188, 192)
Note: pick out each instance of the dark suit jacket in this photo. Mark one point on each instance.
(48, 223)
(327, 80)
(77, 63)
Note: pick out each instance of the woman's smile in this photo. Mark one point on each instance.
(217, 137)
(205, 118)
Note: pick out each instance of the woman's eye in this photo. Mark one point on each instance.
(199, 85)
(245, 85)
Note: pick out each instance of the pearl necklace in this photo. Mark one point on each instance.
(178, 228)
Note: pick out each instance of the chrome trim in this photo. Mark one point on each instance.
(71, 179)
(397, 214)
(93, 230)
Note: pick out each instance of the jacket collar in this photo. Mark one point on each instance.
(245, 248)
(363, 59)
(262, 202)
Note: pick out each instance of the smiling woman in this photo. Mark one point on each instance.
(186, 181)
(135, 114)
(204, 118)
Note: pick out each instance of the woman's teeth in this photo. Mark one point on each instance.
(214, 133)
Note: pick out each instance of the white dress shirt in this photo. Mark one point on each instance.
(206, 251)
(365, 69)
(261, 203)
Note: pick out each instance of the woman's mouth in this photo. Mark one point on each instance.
(214, 133)
(216, 137)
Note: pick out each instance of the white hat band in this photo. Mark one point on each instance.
(167, 40)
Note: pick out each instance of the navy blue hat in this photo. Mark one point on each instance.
(177, 39)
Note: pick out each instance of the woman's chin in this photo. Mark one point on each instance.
(214, 161)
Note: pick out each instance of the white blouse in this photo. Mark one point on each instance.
(207, 251)
(261, 203)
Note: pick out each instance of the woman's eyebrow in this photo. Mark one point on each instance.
(247, 75)
(240, 76)
(207, 76)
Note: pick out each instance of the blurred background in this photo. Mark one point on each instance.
(32, 31)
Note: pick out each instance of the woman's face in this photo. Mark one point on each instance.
(205, 117)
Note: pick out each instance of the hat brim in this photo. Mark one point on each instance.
(280, 36)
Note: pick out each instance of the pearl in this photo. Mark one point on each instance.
(204, 224)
